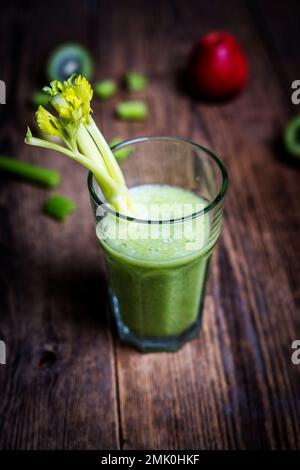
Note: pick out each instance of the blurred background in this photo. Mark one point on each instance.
(68, 383)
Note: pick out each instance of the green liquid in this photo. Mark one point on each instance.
(158, 282)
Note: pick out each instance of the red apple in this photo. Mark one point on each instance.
(218, 66)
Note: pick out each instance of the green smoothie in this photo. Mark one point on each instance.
(158, 271)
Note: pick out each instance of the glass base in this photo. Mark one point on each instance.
(154, 344)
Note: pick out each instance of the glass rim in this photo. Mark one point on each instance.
(194, 215)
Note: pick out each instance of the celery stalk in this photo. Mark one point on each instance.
(105, 181)
(29, 172)
(83, 140)
(106, 152)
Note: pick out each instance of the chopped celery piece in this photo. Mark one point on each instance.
(115, 141)
(105, 89)
(40, 98)
(122, 153)
(59, 207)
(132, 110)
(33, 173)
(135, 81)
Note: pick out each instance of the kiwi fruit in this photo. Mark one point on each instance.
(67, 59)
(291, 137)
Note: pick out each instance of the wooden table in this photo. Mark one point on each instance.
(68, 382)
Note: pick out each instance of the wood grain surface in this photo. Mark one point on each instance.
(68, 382)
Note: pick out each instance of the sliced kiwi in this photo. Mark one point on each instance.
(67, 59)
(291, 137)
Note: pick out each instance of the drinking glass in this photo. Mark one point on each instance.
(158, 267)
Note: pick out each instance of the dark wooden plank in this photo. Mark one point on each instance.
(58, 386)
(259, 206)
(273, 22)
(234, 387)
(278, 26)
